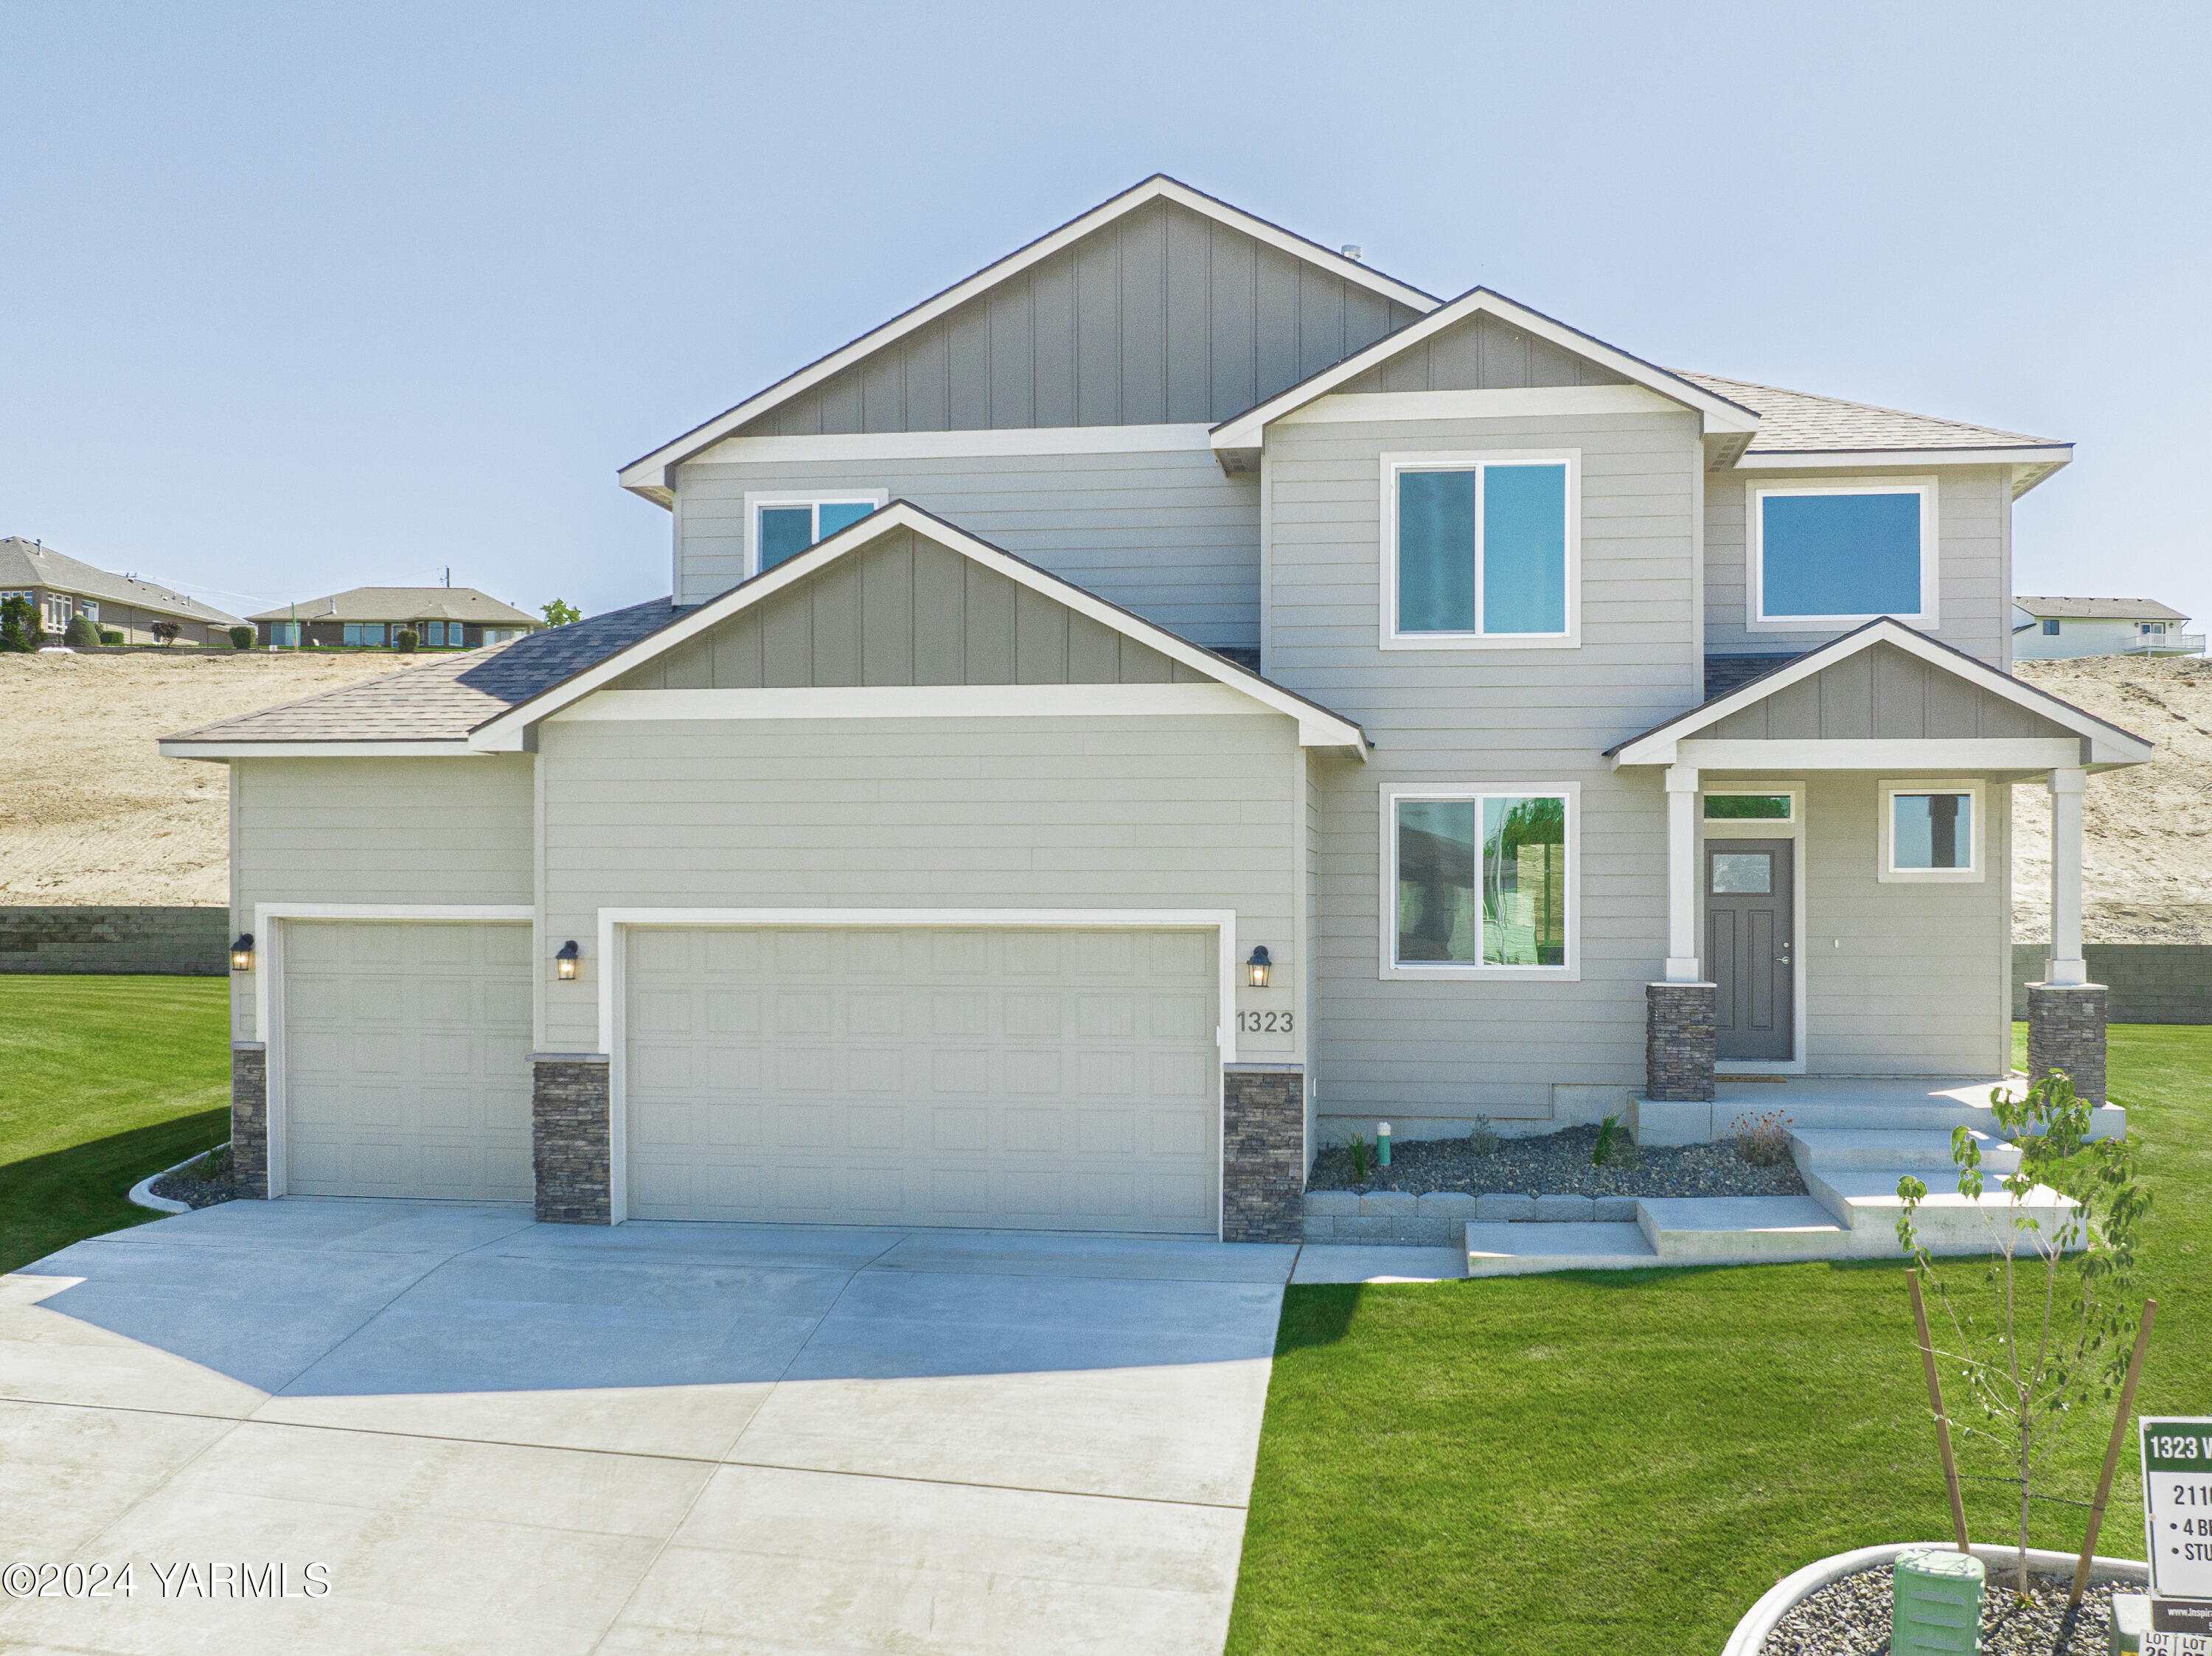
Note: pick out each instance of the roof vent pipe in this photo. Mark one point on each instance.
(1351, 251)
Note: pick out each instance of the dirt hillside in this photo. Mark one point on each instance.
(2147, 856)
(90, 813)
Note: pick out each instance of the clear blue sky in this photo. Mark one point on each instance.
(300, 297)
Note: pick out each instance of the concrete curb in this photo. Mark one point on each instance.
(141, 1193)
(1785, 1596)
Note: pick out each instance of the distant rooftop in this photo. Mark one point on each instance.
(27, 564)
(1800, 423)
(463, 603)
(2045, 608)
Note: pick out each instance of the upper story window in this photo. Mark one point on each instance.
(1480, 880)
(2050, 629)
(779, 526)
(1482, 551)
(1823, 558)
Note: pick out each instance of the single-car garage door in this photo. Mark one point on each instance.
(1047, 1079)
(406, 1059)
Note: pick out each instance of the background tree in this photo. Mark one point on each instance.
(19, 624)
(164, 632)
(562, 614)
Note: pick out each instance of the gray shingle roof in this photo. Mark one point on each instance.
(1799, 422)
(405, 604)
(25, 563)
(2100, 608)
(443, 700)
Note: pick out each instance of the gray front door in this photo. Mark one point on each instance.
(1751, 940)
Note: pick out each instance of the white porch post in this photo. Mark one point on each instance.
(1682, 966)
(2066, 965)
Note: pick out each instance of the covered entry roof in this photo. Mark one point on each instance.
(1885, 696)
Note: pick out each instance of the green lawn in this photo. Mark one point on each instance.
(1622, 1462)
(102, 1081)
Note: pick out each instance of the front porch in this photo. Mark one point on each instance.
(1838, 888)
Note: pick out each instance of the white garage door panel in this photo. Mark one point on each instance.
(1042, 1079)
(407, 1060)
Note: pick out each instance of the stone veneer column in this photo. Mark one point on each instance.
(1263, 1163)
(1678, 1041)
(2066, 1031)
(570, 1138)
(249, 1114)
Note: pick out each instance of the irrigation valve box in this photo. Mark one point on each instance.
(2176, 1466)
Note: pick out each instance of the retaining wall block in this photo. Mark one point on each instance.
(1613, 1209)
(1563, 1209)
(1497, 1207)
(1388, 1203)
(1320, 1228)
(1448, 1206)
(1331, 1202)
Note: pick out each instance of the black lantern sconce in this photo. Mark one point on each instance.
(564, 963)
(241, 952)
(1260, 965)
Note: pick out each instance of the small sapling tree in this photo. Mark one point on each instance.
(560, 613)
(2040, 1331)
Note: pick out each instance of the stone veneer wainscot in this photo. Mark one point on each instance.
(1263, 1132)
(571, 1142)
(249, 1115)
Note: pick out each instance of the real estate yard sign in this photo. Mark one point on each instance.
(2177, 1463)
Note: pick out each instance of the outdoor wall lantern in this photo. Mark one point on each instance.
(564, 963)
(241, 952)
(1260, 964)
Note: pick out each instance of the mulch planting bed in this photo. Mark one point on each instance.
(1559, 1164)
(1849, 1616)
(203, 1181)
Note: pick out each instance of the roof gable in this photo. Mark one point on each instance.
(1720, 414)
(825, 580)
(1484, 352)
(1162, 305)
(1934, 693)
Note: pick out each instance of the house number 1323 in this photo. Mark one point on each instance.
(1263, 1023)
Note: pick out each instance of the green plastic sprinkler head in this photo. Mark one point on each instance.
(1382, 1143)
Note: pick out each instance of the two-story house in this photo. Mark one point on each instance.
(1175, 694)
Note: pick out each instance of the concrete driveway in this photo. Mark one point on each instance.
(498, 1436)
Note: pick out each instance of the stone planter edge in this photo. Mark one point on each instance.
(1785, 1595)
(141, 1193)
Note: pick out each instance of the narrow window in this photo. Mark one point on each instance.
(1481, 882)
(2050, 629)
(1482, 550)
(1833, 556)
(784, 529)
(1747, 807)
(1931, 830)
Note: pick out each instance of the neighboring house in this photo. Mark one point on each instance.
(1178, 694)
(62, 589)
(440, 617)
(2050, 629)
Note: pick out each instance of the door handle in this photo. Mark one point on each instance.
(1783, 959)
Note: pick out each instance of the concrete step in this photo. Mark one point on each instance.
(1520, 1250)
(1924, 1149)
(1740, 1229)
(1937, 1115)
(1867, 1202)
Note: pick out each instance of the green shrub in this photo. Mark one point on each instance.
(81, 630)
(19, 621)
(241, 638)
(1483, 1139)
(405, 640)
(112, 635)
(1363, 1158)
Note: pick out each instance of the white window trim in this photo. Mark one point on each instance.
(1747, 828)
(1454, 971)
(1474, 460)
(1885, 868)
(1756, 619)
(874, 499)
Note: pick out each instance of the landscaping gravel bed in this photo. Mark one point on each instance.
(1849, 1616)
(202, 1182)
(1559, 1164)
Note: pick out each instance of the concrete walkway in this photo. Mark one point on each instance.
(497, 1436)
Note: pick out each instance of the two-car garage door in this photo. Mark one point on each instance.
(1057, 1079)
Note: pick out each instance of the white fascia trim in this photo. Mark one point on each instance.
(2053, 455)
(917, 702)
(2108, 744)
(1317, 727)
(269, 988)
(959, 445)
(1886, 871)
(1475, 460)
(874, 499)
(1504, 404)
(1388, 966)
(445, 750)
(1754, 618)
(1993, 753)
(651, 471)
(1719, 415)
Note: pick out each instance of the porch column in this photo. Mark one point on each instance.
(2066, 965)
(1682, 875)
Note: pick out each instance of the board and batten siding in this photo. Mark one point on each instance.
(1178, 812)
(1883, 692)
(1485, 353)
(1163, 316)
(415, 831)
(1973, 547)
(1165, 534)
(1428, 1051)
